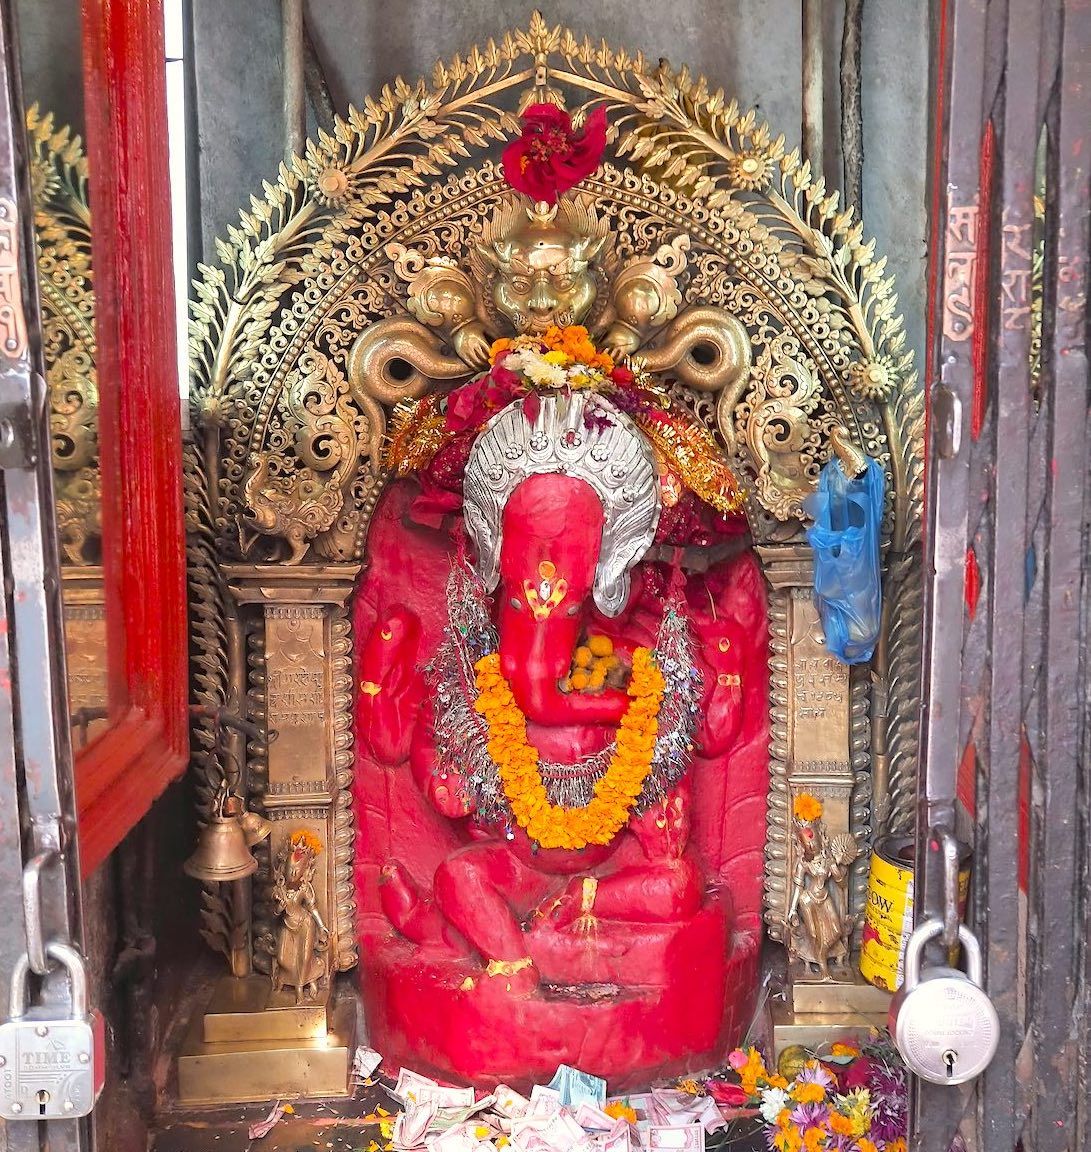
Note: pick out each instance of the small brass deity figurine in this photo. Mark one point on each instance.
(301, 958)
(819, 923)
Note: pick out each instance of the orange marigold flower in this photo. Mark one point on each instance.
(814, 1140)
(752, 1071)
(787, 1139)
(839, 1049)
(497, 347)
(807, 807)
(808, 1093)
(620, 1111)
(305, 838)
(841, 1125)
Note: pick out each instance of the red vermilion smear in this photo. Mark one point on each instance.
(973, 582)
(979, 341)
(1026, 763)
(967, 780)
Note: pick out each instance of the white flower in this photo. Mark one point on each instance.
(544, 374)
(773, 1102)
(517, 360)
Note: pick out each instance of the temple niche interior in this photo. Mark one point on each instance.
(553, 493)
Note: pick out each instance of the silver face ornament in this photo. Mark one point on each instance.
(568, 437)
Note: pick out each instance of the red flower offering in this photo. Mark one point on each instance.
(550, 157)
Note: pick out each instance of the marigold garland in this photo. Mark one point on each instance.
(561, 346)
(598, 822)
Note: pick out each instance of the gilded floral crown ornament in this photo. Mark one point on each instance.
(539, 264)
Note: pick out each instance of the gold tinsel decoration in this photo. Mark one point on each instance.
(692, 453)
(417, 431)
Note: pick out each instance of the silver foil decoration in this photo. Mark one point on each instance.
(578, 434)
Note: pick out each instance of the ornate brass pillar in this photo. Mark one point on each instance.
(299, 688)
(85, 651)
(819, 747)
(290, 657)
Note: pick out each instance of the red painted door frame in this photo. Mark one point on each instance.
(120, 775)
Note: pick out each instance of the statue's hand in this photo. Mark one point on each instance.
(389, 686)
(619, 342)
(449, 794)
(472, 345)
(663, 829)
(722, 648)
(560, 911)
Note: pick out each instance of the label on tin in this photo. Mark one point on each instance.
(888, 920)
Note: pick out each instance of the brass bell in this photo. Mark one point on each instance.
(256, 828)
(222, 852)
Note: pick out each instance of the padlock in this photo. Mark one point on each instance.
(51, 1068)
(943, 1023)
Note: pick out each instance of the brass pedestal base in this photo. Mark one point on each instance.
(817, 1013)
(253, 1045)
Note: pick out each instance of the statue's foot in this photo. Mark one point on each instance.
(414, 917)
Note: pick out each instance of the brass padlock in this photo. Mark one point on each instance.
(51, 1068)
(943, 1023)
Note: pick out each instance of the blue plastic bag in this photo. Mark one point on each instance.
(848, 515)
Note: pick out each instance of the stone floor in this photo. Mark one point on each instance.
(333, 1126)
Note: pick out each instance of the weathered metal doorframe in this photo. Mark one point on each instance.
(38, 851)
(1009, 501)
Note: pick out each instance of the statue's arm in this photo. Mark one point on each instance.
(389, 685)
(445, 785)
(725, 649)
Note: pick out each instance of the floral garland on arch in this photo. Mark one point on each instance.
(481, 732)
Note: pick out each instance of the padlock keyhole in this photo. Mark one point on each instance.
(949, 1058)
(43, 1100)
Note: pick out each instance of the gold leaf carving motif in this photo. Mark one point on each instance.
(62, 226)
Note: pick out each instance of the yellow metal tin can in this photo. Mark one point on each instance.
(888, 920)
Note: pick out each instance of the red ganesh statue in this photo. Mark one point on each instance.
(561, 745)
(562, 718)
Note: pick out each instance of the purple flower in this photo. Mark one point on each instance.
(596, 418)
(890, 1099)
(813, 1073)
(810, 1116)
